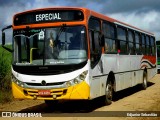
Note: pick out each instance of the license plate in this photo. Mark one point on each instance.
(44, 92)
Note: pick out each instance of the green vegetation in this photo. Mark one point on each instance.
(5, 75)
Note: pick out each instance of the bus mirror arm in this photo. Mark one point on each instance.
(8, 49)
(4, 38)
(8, 27)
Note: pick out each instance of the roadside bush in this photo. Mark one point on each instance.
(5, 75)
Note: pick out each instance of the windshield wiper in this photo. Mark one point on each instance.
(62, 28)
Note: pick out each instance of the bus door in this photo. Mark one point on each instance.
(95, 53)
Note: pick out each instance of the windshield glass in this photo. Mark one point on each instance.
(50, 46)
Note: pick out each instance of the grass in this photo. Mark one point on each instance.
(5, 75)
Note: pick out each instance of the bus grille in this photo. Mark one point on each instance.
(33, 93)
(48, 84)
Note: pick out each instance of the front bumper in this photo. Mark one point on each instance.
(78, 91)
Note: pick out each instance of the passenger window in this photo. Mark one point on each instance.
(137, 42)
(109, 34)
(123, 47)
(94, 24)
(148, 50)
(110, 46)
(131, 42)
(153, 46)
(121, 35)
(143, 44)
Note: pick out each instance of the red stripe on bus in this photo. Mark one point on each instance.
(151, 59)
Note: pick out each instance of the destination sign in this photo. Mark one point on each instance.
(47, 16)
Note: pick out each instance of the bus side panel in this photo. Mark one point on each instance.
(95, 87)
(151, 72)
(150, 63)
(99, 75)
(124, 68)
(95, 80)
(103, 85)
(137, 73)
(139, 77)
(120, 66)
(109, 65)
(128, 73)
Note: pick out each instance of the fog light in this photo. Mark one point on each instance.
(54, 96)
(34, 97)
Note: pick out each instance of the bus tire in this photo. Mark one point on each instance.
(50, 103)
(108, 93)
(144, 82)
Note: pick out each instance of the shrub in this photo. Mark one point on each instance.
(5, 75)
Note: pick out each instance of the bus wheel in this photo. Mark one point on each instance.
(51, 102)
(144, 83)
(108, 93)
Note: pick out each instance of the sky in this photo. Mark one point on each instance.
(144, 14)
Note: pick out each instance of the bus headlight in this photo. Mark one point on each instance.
(15, 80)
(75, 81)
(68, 84)
(78, 79)
(83, 75)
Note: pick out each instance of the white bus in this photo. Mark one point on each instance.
(75, 53)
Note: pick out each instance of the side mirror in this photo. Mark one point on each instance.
(3, 38)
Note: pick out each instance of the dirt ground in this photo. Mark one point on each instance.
(126, 102)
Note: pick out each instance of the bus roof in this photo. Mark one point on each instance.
(91, 13)
(107, 18)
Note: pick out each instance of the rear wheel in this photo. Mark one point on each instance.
(145, 79)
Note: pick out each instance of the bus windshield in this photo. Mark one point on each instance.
(50, 46)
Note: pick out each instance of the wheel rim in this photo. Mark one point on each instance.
(109, 92)
(145, 82)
